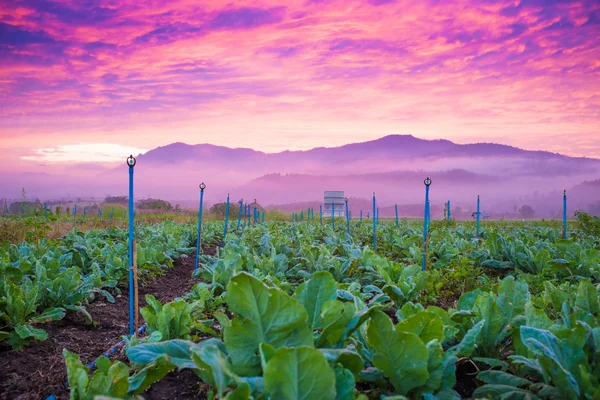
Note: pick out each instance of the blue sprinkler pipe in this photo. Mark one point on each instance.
(263, 217)
(332, 215)
(428, 214)
(84, 213)
(112, 212)
(255, 215)
(396, 208)
(477, 216)
(347, 217)
(99, 212)
(240, 213)
(374, 223)
(248, 213)
(6, 207)
(427, 183)
(321, 214)
(198, 241)
(131, 164)
(449, 212)
(564, 230)
(377, 215)
(74, 210)
(226, 220)
(22, 210)
(360, 218)
(45, 211)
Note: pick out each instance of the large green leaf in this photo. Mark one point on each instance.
(487, 309)
(150, 374)
(344, 384)
(177, 352)
(314, 294)
(299, 373)
(501, 378)
(109, 380)
(401, 356)
(512, 297)
(504, 392)
(26, 331)
(426, 325)
(50, 314)
(173, 320)
(441, 367)
(588, 298)
(215, 368)
(335, 317)
(262, 315)
(467, 300)
(560, 359)
(346, 357)
(77, 375)
(554, 297)
(469, 342)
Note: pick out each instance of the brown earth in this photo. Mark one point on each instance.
(39, 370)
(183, 385)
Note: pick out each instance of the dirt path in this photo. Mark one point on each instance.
(39, 370)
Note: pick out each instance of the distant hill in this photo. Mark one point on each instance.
(389, 153)
(393, 166)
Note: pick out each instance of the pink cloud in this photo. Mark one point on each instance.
(301, 75)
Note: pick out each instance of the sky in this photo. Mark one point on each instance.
(90, 81)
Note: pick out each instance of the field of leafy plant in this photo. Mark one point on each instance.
(301, 311)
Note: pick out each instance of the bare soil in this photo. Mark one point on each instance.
(39, 370)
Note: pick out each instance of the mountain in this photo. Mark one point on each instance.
(389, 153)
(393, 166)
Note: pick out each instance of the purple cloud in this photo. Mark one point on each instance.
(246, 18)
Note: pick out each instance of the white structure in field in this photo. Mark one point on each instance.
(339, 204)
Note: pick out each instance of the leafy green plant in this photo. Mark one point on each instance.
(172, 320)
(110, 380)
(20, 304)
(410, 355)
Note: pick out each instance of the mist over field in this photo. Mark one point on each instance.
(394, 167)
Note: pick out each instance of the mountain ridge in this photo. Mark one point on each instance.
(418, 148)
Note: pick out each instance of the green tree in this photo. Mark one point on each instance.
(154, 204)
(218, 210)
(527, 211)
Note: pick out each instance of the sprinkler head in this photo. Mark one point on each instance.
(346, 199)
(202, 186)
(131, 161)
(427, 181)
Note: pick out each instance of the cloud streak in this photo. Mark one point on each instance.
(329, 72)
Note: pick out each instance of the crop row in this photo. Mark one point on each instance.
(291, 311)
